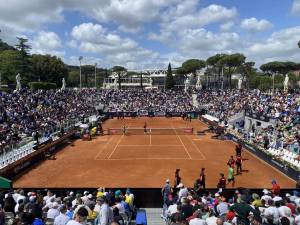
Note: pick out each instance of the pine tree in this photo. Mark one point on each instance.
(169, 82)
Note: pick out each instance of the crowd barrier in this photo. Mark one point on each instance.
(16, 168)
(194, 114)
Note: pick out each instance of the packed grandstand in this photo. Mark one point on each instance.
(95, 141)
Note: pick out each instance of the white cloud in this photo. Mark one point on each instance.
(296, 7)
(208, 15)
(131, 15)
(47, 43)
(227, 26)
(205, 43)
(254, 25)
(186, 16)
(94, 39)
(281, 45)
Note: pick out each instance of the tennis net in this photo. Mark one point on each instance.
(152, 131)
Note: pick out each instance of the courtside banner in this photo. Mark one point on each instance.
(160, 113)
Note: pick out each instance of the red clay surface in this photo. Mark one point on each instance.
(146, 161)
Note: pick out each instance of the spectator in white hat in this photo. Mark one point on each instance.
(183, 191)
(266, 195)
(53, 212)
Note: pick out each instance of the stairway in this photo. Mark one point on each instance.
(153, 216)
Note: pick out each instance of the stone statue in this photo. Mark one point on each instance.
(186, 84)
(198, 83)
(115, 83)
(286, 83)
(18, 80)
(151, 82)
(63, 87)
(240, 82)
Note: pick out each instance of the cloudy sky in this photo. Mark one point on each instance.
(140, 34)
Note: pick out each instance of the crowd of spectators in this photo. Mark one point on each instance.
(186, 206)
(41, 207)
(38, 113)
(148, 100)
(26, 113)
(282, 108)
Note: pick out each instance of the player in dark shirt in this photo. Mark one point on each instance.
(238, 163)
(238, 150)
(222, 181)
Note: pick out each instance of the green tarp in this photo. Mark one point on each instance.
(5, 183)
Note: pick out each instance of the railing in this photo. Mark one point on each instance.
(17, 151)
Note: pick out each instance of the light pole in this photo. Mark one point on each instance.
(95, 75)
(80, 59)
(273, 81)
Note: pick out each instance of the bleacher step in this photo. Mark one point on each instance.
(153, 216)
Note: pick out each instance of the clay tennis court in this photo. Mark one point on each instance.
(146, 160)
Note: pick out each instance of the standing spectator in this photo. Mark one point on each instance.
(183, 191)
(106, 215)
(61, 219)
(275, 188)
(242, 210)
(80, 217)
(166, 191)
(53, 212)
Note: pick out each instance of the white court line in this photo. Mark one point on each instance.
(104, 146)
(127, 159)
(115, 146)
(204, 158)
(150, 145)
(181, 142)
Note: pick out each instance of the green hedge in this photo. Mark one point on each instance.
(42, 85)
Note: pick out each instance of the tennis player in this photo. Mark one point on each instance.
(145, 128)
(124, 129)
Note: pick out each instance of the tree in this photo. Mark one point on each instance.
(215, 66)
(246, 69)
(4, 46)
(232, 62)
(24, 49)
(73, 78)
(46, 68)
(192, 65)
(299, 44)
(120, 70)
(9, 65)
(169, 82)
(275, 67)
